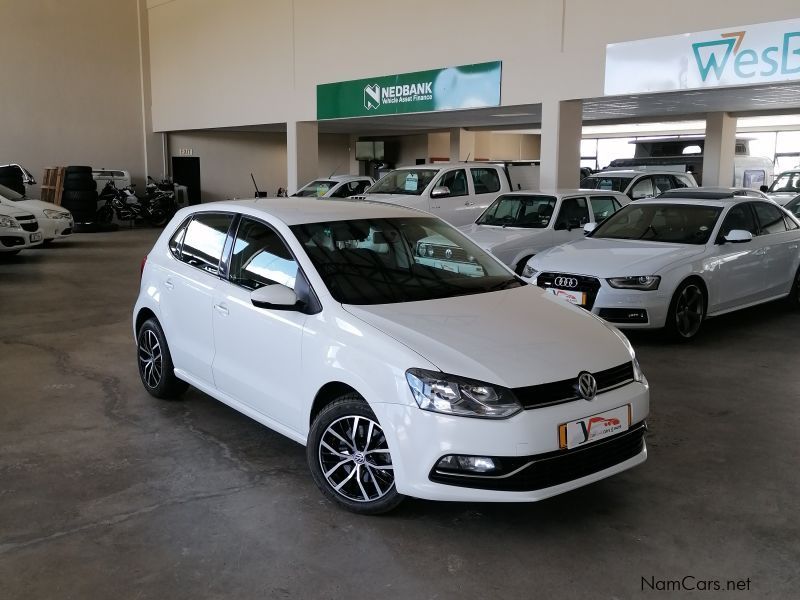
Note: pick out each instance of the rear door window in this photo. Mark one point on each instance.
(486, 181)
(603, 207)
(204, 240)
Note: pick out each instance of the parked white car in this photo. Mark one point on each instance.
(518, 225)
(714, 193)
(455, 192)
(675, 262)
(316, 320)
(18, 230)
(336, 186)
(793, 206)
(54, 221)
(638, 184)
(785, 187)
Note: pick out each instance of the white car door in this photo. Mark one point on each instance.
(737, 272)
(486, 187)
(187, 289)
(572, 215)
(257, 349)
(780, 247)
(458, 207)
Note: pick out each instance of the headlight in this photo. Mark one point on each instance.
(56, 214)
(454, 395)
(638, 375)
(639, 282)
(421, 249)
(9, 222)
(529, 271)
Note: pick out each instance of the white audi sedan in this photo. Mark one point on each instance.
(318, 320)
(672, 263)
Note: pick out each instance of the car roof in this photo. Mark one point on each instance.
(721, 202)
(343, 177)
(441, 165)
(706, 193)
(298, 210)
(612, 172)
(561, 192)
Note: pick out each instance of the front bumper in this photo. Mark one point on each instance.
(53, 229)
(19, 239)
(418, 439)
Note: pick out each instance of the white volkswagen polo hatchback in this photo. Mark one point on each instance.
(318, 320)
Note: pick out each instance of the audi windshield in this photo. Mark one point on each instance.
(382, 261)
(671, 223)
(404, 181)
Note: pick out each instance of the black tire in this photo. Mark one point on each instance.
(72, 169)
(521, 265)
(82, 205)
(372, 490)
(80, 184)
(155, 362)
(793, 299)
(687, 311)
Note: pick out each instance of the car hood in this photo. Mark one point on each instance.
(37, 206)
(613, 258)
(11, 209)
(514, 337)
(782, 197)
(488, 237)
(402, 199)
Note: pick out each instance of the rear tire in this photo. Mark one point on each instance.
(155, 362)
(687, 311)
(794, 295)
(347, 449)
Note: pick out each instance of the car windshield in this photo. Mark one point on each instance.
(10, 194)
(316, 188)
(793, 206)
(672, 223)
(382, 261)
(519, 211)
(786, 182)
(606, 182)
(404, 181)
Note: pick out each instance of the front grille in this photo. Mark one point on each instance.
(540, 471)
(556, 392)
(589, 285)
(29, 226)
(441, 253)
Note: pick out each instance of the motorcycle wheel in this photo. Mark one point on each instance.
(105, 214)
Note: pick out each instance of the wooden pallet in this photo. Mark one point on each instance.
(53, 184)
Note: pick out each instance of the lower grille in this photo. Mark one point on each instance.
(9, 241)
(540, 471)
(624, 315)
(589, 285)
(556, 392)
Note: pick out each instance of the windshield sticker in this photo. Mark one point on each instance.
(411, 182)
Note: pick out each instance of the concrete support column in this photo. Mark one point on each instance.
(354, 165)
(462, 144)
(561, 143)
(720, 149)
(302, 153)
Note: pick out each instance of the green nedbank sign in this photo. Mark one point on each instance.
(753, 54)
(452, 88)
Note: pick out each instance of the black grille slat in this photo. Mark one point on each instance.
(28, 226)
(589, 285)
(545, 394)
(554, 468)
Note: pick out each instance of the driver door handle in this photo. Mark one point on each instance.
(222, 309)
(168, 284)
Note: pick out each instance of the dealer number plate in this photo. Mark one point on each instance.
(595, 427)
(36, 237)
(572, 297)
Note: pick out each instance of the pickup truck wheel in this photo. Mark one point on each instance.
(349, 457)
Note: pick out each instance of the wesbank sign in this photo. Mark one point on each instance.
(468, 86)
(764, 53)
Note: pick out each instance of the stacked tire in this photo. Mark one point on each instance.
(80, 194)
(11, 177)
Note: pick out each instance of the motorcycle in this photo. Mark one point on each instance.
(160, 198)
(157, 208)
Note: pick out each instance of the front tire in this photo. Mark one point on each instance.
(687, 311)
(349, 457)
(155, 362)
(794, 295)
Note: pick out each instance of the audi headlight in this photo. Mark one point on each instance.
(639, 282)
(9, 222)
(529, 271)
(56, 214)
(454, 395)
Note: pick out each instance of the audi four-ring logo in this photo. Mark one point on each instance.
(587, 386)
(566, 282)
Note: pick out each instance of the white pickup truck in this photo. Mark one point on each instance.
(455, 192)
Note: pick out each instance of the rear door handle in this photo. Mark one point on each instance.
(222, 309)
(168, 284)
(761, 251)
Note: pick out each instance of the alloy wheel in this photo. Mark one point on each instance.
(151, 361)
(689, 310)
(355, 460)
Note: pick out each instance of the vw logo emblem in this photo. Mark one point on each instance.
(448, 253)
(587, 386)
(566, 282)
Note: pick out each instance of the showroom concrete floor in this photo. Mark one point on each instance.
(106, 492)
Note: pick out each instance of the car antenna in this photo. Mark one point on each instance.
(468, 155)
(334, 171)
(259, 193)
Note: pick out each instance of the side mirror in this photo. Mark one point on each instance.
(738, 236)
(764, 188)
(589, 228)
(275, 296)
(440, 191)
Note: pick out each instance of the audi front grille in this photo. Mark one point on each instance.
(589, 285)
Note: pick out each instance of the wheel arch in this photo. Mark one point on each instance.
(327, 394)
(694, 277)
(143, 315)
